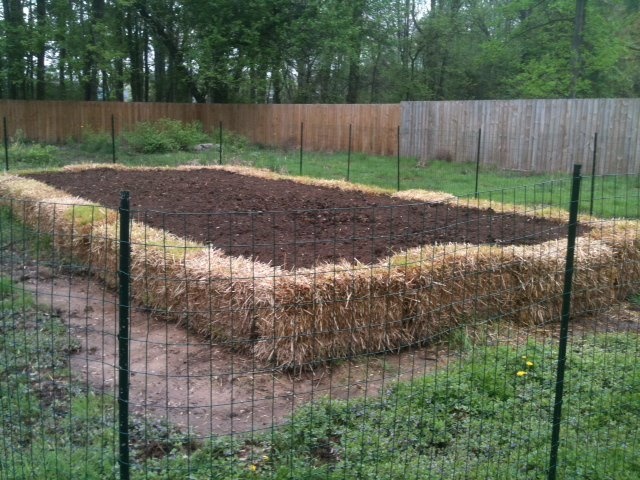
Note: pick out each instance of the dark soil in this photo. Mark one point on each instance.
(291, 224)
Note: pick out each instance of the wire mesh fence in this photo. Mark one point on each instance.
(405, 339)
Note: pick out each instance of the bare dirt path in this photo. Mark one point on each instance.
(191, 383)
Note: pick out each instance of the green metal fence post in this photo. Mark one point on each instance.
(564, 325)
(113, 138)
(124, 278)
(398, 148)
(478, 160)
(301, 144)
(6, 144)
(349, 156)
(220, 144)
(593, 172)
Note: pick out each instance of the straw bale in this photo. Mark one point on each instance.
(330, 312)
(327, 313)
(81, 167)
(213, 294)
(540, 272)
(46, 209)
(623, 237)
(426, 196)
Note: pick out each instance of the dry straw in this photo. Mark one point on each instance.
(295, 318)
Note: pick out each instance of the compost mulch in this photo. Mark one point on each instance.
(291, 224)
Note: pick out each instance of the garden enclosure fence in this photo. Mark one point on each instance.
(129, 351)
(521, 135)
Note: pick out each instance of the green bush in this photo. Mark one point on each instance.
(21, 150)
(95, 142)
(233, 143)
(164, 135)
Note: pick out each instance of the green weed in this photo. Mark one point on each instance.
(94, 142)
(86, 214)
(164, 135)
(487, 416)
(13, 296)
(50, 425)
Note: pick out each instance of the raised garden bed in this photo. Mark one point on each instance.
(316, 271)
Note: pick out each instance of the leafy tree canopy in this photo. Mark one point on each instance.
(327, 51)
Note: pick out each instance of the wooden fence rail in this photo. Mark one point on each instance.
(527, 135)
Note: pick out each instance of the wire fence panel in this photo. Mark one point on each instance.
(58, 338)
(403, 340)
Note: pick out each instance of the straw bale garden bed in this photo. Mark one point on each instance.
(303, 271)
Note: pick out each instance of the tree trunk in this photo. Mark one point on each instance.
(373, 94)
(62, 84)
(119, 81)
(90, 70)
(15, 52)
(104, 76)
(353, 82)
(147, 69)
(159, 71)
(135, 57)
(577, 44)
(41, 19)
(276, 76)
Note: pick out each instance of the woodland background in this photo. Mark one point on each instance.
(318, 51)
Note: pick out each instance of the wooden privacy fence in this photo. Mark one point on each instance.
(527, 135)
(323, 127)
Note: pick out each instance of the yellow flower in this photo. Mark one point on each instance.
(521, 373)
(529, 364)
(253, 468)
(265, 458)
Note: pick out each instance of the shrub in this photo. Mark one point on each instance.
(164, 135)
(23, 151)
(95, 142)
(234, 143)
